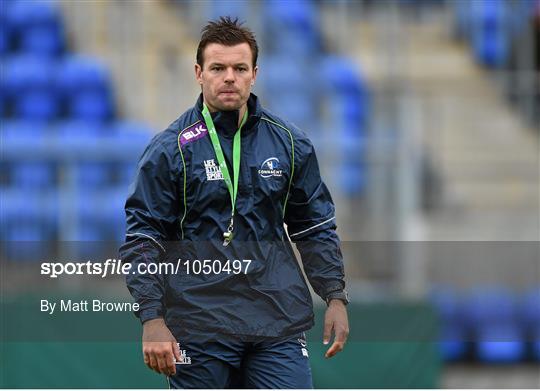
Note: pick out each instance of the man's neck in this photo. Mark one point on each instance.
(241, 113)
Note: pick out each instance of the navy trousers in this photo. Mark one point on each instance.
(229, 363)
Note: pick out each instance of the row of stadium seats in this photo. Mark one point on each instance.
(489, 324)
(32, 222)
(96, 155)
(40, 175)
(44, 89)
(72, 131)
(31, 27)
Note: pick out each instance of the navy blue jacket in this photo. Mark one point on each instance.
(179, 206)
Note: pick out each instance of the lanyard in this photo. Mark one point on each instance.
(232, 187)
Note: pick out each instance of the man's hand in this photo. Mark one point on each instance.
(159, 347)
(335, 320)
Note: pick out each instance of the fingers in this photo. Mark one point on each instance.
(335, 348)
(147, 360)
(327, 333)
(160, 357)
(339, 343)
(152, 362)
(166, 363)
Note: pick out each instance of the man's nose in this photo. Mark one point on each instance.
(229, 75)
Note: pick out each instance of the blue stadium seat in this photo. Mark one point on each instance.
(490, 304)
(295, 13)
(492, 313)
(77, 133)
(237, 8)
(36, 26)
(82, 73)
(38, 105)
(126, 173)
(452, 343)
(85, 86)
(536, 345)
(353, 108)
(490, 32)
(32, 175)
(94, 174)
(89, 211)
(454, 335)
(293, 27)
(82, 135)
(290, 92)
(297, 45)
(88, 234)
(91, 106)
(134, 136)
(17, 133)
(341, 75)
(500, 343)
(131, 133)
(349, 113)
(29, 83)
(296, 107)
(531, 308)
(27, 137)
(114, 216)
(28, 224)
(531, 320)
(3, 102)
(353, 178)
(5, 36)
(43, 40)
(101, 216)
(347, 97)
(351, 146)
(23, 14)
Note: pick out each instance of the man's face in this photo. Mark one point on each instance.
(227, 76)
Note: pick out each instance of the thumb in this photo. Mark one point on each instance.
(176, 351)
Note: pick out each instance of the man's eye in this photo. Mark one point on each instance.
(217, 68)
(242, 69)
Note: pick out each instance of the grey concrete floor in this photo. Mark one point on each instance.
(478, 376)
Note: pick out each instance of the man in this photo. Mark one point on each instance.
(215, 189)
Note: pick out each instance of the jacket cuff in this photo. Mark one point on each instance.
(150, 313)
(333, 287)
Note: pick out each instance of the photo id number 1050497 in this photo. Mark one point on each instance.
(209, 266)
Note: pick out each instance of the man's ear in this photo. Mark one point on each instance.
(254, 75)
(198, 74)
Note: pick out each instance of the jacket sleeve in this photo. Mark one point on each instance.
(311, 223)
(151, 219)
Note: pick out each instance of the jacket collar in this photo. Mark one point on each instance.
(226, 122)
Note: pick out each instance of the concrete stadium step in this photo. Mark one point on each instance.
(487, 158)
